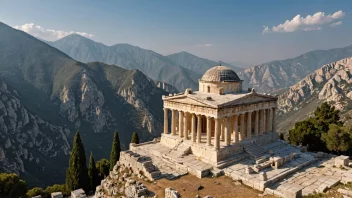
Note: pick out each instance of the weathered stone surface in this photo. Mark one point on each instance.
(171, 193)
(341, 161)
(79, 193)
(56, 195)
(135, 190)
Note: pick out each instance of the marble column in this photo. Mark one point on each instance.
(261, 121)
(256, 123)
(209, 131)
(228, 131)
(199, 128)
(166, 121)
(180, 124)
(268, 120)
(185, 126)
(173, 122)
(241, 127)
(264, 120)
(235, 129)
(222, 136)
(193, 127)
(249, 125)
(274, 120)
(217, 134)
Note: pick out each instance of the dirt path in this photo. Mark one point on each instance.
(187, 186)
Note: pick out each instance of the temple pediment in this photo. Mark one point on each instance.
(188, 100)
(248, 99)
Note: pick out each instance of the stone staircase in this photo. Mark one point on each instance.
(140, 163)
(180, 150)
(254, 150)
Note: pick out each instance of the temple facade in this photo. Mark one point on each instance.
(221, 114)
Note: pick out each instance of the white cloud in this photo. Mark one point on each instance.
(47, 34)
(336, 24)
(204, 45)
(311, 29)
(266, 29)
(308, 23)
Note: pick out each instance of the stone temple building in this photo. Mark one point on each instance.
(225, 129)
(219, 116)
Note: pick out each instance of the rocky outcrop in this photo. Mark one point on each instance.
(166, 87)
(27, 139)
(330, 83)
(281, 74)
(141, 92)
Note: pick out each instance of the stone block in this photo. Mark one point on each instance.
(171, 193)
(293, 191)
(341, 161)
(79, 193)
(249, 170)
(56, 195)
(263, 176)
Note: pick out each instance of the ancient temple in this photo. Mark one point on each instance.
(221, 113)
(225, 129)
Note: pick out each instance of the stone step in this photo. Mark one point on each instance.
(232, 160)
(254, 150)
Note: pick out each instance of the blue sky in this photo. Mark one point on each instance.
(226, 30)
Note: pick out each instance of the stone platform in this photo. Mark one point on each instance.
(217, 157)
(275, 167)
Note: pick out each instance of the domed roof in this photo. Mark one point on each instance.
(220, 74)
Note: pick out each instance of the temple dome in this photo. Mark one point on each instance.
(220, 74)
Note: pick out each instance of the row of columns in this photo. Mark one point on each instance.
(264, 121)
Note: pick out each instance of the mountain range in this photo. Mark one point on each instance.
(331, 83)
(182, 70)
(154, 65)
(46, 96)
(277, 75)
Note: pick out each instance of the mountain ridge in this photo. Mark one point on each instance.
(60, 96)
(331, 83)
(154, 65)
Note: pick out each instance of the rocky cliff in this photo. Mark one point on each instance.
(51, 96)
(28, 141)
(332, 83)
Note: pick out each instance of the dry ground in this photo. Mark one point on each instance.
(187, 186)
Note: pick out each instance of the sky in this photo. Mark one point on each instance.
(251, 32)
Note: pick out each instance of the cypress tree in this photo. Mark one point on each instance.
(92, 173)
(135, 138)
(77, 173)
(115, 150)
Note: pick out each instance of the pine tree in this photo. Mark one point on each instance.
(115, 150)
(135, 138)
(92, 174)
(77, 173)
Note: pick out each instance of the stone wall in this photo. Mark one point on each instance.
(168, 141)
(141, 165)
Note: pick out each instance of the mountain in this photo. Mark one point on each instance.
(277, 75)
(195, 63)
(154, 65)
(332, 83)
(46, 96)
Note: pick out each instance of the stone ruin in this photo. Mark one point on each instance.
(120, 182)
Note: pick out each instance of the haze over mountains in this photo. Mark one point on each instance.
(276, 75)
(154, 65)
(45, 96)
(182, 70)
